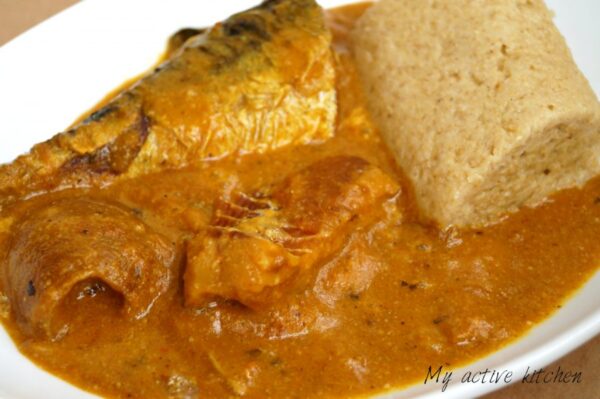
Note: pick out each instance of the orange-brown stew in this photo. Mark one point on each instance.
(397, 297)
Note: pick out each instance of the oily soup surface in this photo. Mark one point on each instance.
(366, 318)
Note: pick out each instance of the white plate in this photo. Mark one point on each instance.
(61, 68)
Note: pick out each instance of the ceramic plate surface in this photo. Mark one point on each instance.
(62, 67)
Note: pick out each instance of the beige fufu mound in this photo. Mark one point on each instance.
(480, 101)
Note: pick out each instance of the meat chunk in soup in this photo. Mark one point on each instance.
(76, 240)
(257, 243)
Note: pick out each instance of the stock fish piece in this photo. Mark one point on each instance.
(262, 79)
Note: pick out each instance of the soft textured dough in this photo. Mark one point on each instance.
(480, 102)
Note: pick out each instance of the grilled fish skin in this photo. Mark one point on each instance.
(262, 79)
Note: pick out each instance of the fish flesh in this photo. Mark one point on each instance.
(262, 79)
